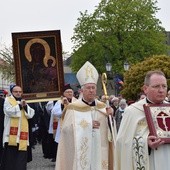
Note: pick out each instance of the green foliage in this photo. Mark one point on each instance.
(118, 30)
(134, 77)
(7, 67)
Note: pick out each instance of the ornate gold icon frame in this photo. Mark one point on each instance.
(39, 64)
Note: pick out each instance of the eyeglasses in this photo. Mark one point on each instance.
(17, 91)
(68, 92)
(90, 87)
(159, 86)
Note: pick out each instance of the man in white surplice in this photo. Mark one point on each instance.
(135, 147)
(84, 139)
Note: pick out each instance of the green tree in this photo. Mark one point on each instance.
(134, 77)
(7, 67)
(117, 31)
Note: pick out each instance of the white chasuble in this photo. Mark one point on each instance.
(87, 141)
(81, 147)
(131, 151)
(83, 125)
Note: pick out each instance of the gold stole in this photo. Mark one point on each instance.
(14, 128)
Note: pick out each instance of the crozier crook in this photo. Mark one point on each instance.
(104, 83)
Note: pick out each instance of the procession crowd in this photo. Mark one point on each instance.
(86, 131)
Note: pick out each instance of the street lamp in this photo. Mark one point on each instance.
(108, 67)
(109, 70)
(126, 66)
(113, 76)
(110, 76)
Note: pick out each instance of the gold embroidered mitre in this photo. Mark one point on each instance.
(87, 74)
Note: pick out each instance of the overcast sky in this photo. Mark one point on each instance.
(42, 15)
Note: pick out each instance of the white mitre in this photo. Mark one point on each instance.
(87, 74)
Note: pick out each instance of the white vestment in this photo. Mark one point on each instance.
(57, 112)
(49, 108)
(81, 147)
(11, 112)
(131, 152)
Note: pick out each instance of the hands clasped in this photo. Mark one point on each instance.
(96, 124)
(23, 103)
(109, 110)
(65, 100)
(154, 142)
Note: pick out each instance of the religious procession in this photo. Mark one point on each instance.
(87, 131)
(87, 95)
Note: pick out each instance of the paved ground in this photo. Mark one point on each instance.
(39, 162)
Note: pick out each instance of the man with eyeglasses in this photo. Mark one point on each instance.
(16, 130)
(84, 135)
(135, 147)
